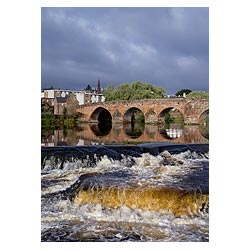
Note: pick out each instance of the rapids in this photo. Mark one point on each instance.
(148, 192)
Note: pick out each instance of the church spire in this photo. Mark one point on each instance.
(99, 87)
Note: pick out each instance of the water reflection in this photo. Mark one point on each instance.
(172, 131)
(101, 129)
(134, 130)
(96, 134)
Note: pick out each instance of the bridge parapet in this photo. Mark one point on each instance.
(142, 101)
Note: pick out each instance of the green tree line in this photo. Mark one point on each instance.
(141, 90)
(198, 95)
(134, 91)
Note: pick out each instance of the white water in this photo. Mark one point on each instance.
(64, 220)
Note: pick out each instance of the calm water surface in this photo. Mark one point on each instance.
(94, 134)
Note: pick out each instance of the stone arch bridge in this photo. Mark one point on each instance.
(154, 110)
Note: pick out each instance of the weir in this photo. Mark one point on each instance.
(164, 200)
(148, 192)
(116, 151)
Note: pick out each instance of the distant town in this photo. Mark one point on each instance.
(59, 99)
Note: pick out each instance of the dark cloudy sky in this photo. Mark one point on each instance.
(168, 47)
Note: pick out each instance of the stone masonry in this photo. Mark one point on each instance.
(154, 110)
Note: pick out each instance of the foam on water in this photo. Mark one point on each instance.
(145, 198)
(103, 222)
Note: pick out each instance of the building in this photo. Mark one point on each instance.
(69, 102)
(71, 99)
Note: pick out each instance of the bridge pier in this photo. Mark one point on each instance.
(117, 117)
(191, 121)
(151, 117)
(117, 120)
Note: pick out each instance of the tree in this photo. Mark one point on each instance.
(181, 92)
(110, 92)
(198, 95)
(124, 92)
(88, 88)
(134, 91)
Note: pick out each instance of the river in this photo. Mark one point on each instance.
(122, 134)
(96, 186)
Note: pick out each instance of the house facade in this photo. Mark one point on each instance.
(70, 99)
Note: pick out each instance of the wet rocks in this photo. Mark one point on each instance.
(160, 170)
(168, 159)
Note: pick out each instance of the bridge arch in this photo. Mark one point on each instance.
(170, 113)
(203, 117)
(153, 109)
(101, 115)
(133, 114)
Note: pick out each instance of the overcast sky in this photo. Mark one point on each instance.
(167, 47)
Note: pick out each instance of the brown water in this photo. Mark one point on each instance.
(164, 200)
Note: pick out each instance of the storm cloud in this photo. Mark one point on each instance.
(168, 47)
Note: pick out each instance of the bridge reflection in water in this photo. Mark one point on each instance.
(95, 134)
